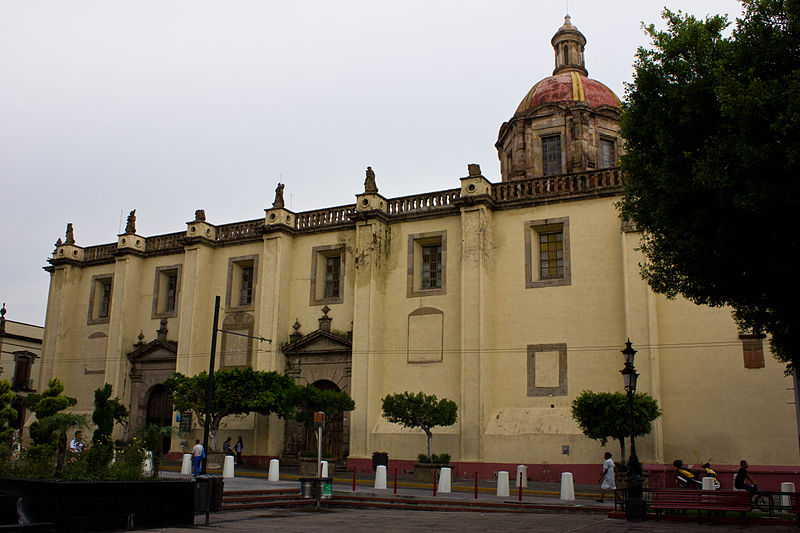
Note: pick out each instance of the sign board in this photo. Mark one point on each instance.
(319, 419)
(185, 423)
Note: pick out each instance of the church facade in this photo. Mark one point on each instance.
(509, 297)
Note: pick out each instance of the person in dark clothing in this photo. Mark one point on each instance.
(742, 478)
(238, 447)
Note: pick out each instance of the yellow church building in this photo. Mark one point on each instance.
(508, 296)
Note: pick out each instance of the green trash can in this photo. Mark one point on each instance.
(325, 487)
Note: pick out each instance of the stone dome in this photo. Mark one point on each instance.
(570, 86)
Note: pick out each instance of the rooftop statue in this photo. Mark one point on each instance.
(130, 227)
(278, 203)
(369, 183)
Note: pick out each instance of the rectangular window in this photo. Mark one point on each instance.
(327, 274)
(753, 350)
(105, 299)
(22, 370)
(242, 281)
(432, 267)
(547, 258)
(332, 271)
(608, 155)
(100, 295)
(166, 291)
(551, 155)
(246, 286)
(551, 255)
(427, 264)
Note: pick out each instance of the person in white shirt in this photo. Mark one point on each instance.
(76, 445)
(607, 477)
(197, 457)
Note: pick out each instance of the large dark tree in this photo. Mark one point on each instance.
(604, 415)
(237, 391)
(712, 129)
(308, 400)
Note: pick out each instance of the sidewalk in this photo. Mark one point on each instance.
(543, 493)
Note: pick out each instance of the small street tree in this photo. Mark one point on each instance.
(604, 415)
(237, 391)
(107, 412)
(421, 411)
(308, 400)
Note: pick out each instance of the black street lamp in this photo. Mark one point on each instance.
(634, 504)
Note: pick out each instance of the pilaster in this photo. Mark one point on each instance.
(476, 228)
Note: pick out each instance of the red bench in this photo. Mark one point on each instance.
(699, 500)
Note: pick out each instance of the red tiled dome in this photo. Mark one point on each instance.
(568, 87)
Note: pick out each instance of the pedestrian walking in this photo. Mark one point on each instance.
(198, 454)
(238, 447)
(607, 477)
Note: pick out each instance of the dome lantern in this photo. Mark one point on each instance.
(568, 44)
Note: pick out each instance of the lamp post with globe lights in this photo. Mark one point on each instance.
(634, 504)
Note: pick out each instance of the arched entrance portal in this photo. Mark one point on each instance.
(159, 412)
(332, 433)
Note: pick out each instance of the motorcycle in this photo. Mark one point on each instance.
(694, 478)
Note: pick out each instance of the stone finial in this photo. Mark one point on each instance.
(130, 227)
(59, 242)
(296, 336)
(70, 236)
(370, 187)
(325, 320)
(474, 170)
(162, 331)
(141, 338)
(279, 203)
(200, 215)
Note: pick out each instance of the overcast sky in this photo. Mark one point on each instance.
(166, 107)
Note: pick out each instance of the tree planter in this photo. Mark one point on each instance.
(423, 472)
(103, 505)
(308, 465)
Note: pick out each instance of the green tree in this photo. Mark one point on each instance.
(421, 411)
(50, 422)
(237, 391)
(308, 400)
(7, 413)
(712, 129)
(107, 412)
(604, 415)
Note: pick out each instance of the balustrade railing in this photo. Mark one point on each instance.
(331, 216)
(240, 230)
(99, 252)
(170, 241)
(423, 202)
(556, 185)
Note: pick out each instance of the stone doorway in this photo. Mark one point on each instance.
(323, 359)
(159, 412)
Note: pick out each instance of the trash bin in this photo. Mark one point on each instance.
(325, 487)
(380, 458)
(307, 487)
(208, 493)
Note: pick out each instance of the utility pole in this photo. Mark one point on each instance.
(210, 388)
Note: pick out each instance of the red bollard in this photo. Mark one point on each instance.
(434, 482)
(354, 478)
(476, 485)
(519, 484)
(395, 480)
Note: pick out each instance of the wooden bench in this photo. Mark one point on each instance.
(700, 500)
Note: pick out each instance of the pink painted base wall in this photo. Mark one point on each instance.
(659, 475)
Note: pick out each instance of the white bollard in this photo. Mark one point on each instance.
(522, 469)
(227, 467)
(444, 479)
(324, 469)
(786, 486)
(380, 477)
(567, 487)
(502, 483)
(186, 464)
(147, 464)
(708, 483)
(274, 470)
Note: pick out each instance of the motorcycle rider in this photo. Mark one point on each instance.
(742, 478)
